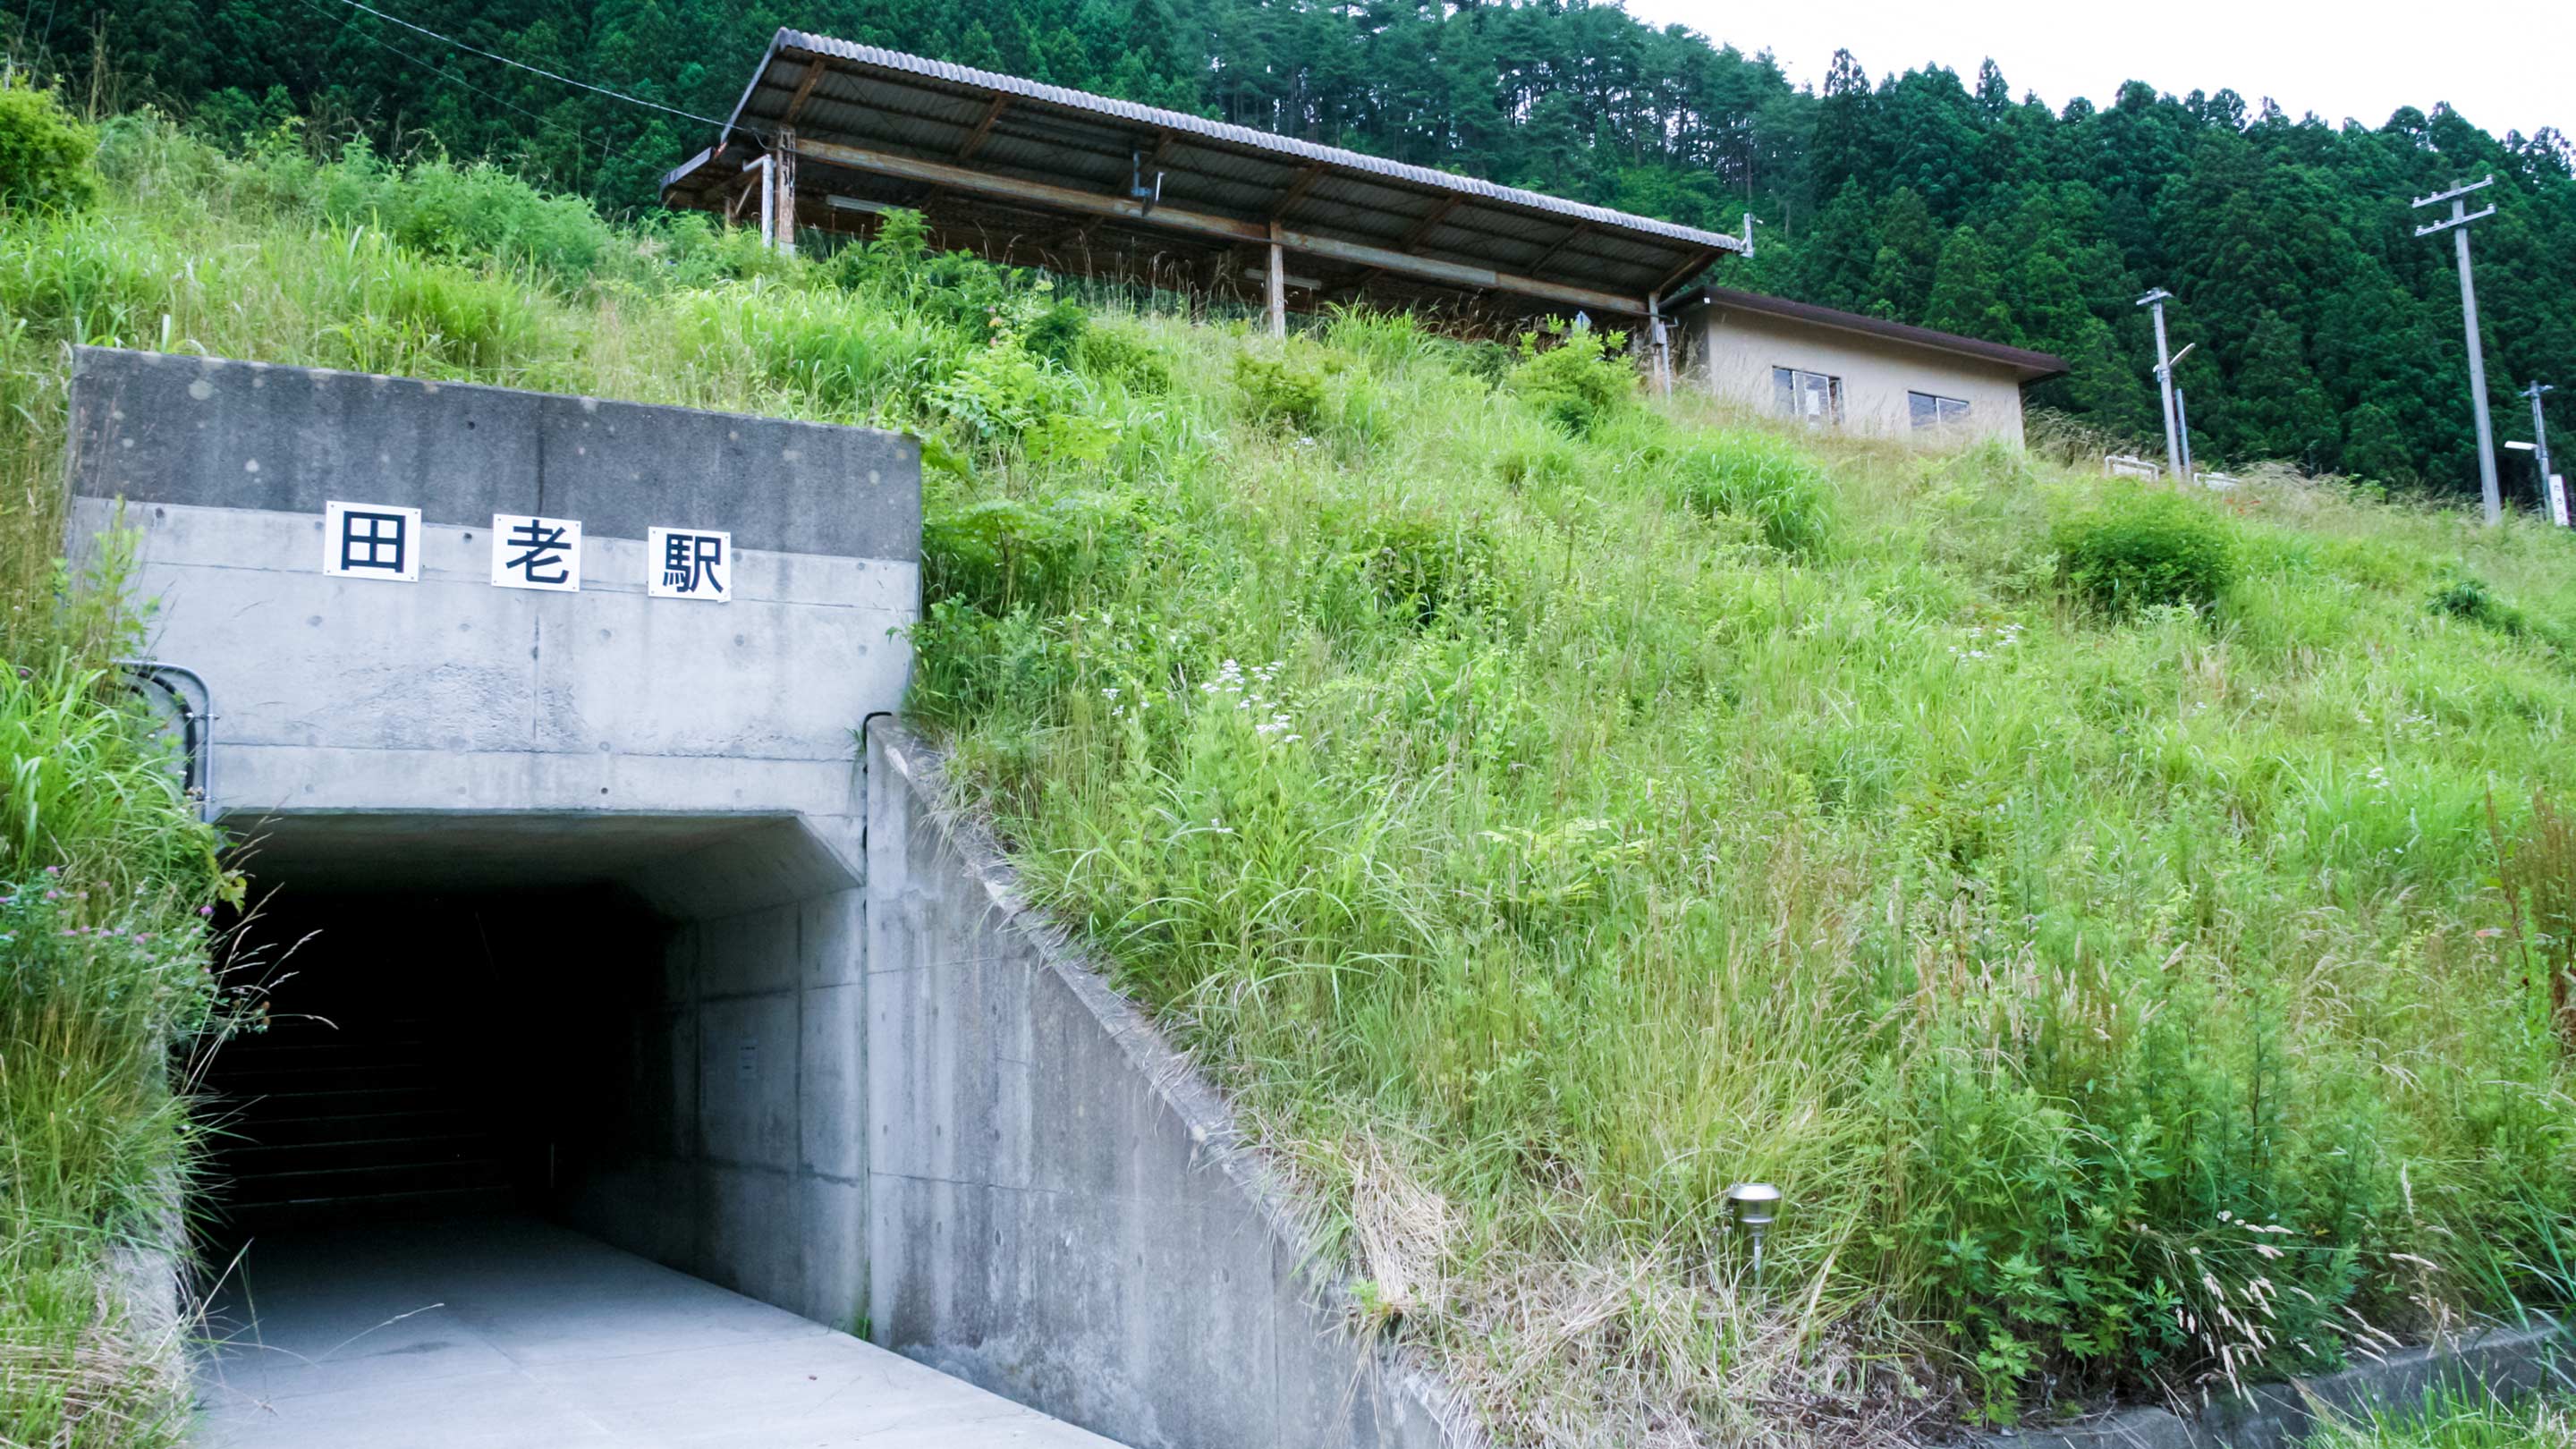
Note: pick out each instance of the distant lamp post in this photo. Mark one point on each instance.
(2540, 442)
(1753, 1206)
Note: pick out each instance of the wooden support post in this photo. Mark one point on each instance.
(1278, 285)
(783, 162)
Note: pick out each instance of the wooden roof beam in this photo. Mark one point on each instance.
(1304, 182)
(1421, 230)
(804, 90)
(983, 131)
(1581, 229)
(1698, 261)
(1129, 211)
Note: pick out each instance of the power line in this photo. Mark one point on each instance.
(445, 74)
(531, 69)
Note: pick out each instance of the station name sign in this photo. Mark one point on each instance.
(529, 551)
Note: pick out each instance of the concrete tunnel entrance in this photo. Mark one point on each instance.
(576, 857)
(645, 1029)
(554, 1140)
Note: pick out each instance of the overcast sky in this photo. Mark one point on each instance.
(2504, 64)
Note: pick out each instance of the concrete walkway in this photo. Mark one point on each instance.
(508, 1333)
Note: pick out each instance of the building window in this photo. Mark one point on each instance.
(1811, 396)
(1929, 411)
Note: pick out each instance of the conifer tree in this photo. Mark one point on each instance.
(1967, 295)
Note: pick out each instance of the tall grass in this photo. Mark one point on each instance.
(1544, 822)
(104, 975)
(2448, 1421)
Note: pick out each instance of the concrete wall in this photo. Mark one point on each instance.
(731, 1141)
(449, 694)
(1060, 1209)
(696, 760)
(1732, 353)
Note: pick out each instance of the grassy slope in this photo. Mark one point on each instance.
(2441, 1423)
(2122, 1003)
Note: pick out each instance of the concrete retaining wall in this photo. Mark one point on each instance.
(1060, 1209)
(2505, 1364)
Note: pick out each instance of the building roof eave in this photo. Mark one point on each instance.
(2026, 365)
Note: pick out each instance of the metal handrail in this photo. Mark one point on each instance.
(196, 724)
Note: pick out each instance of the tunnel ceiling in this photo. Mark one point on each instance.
(687, 867)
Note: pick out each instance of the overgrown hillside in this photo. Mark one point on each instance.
(2125, 925)
(2326, 331)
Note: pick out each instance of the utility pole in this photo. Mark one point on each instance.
(2164, 384)
(2540, 432)
(2182, 429)
(2457, 224)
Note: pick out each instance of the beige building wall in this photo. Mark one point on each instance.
(1733, 352)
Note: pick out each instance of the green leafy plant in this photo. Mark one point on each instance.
(1421, 565)
(1008, 398)
(1117, 356)
(1758, 477)
(998, 554)
(2467, 597)
(1577, 384)
(1280, 391)
(2148, 547)
(45, 155)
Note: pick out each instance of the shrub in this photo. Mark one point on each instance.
(45, 155)
(1055, 333)
(1576, 384)
(470, 213)
(1001, 554)
(894, 253)
(1278, 390)
(1013, 400)
(1766, 481)
(2467, 597)
(1421, 565)
(2145, 549)
(1120, 357)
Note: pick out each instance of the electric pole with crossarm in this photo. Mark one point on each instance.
(2457, 224)
(2165, 386)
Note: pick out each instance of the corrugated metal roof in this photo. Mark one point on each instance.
(994, 156)
(1155, 118)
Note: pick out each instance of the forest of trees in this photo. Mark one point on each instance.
(2328, 334)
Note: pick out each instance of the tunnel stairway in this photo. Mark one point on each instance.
(326, 1122)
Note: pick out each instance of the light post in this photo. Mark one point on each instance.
(2540, 436)
(1753, 1206)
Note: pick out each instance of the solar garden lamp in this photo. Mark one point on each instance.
(1752, 1206)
